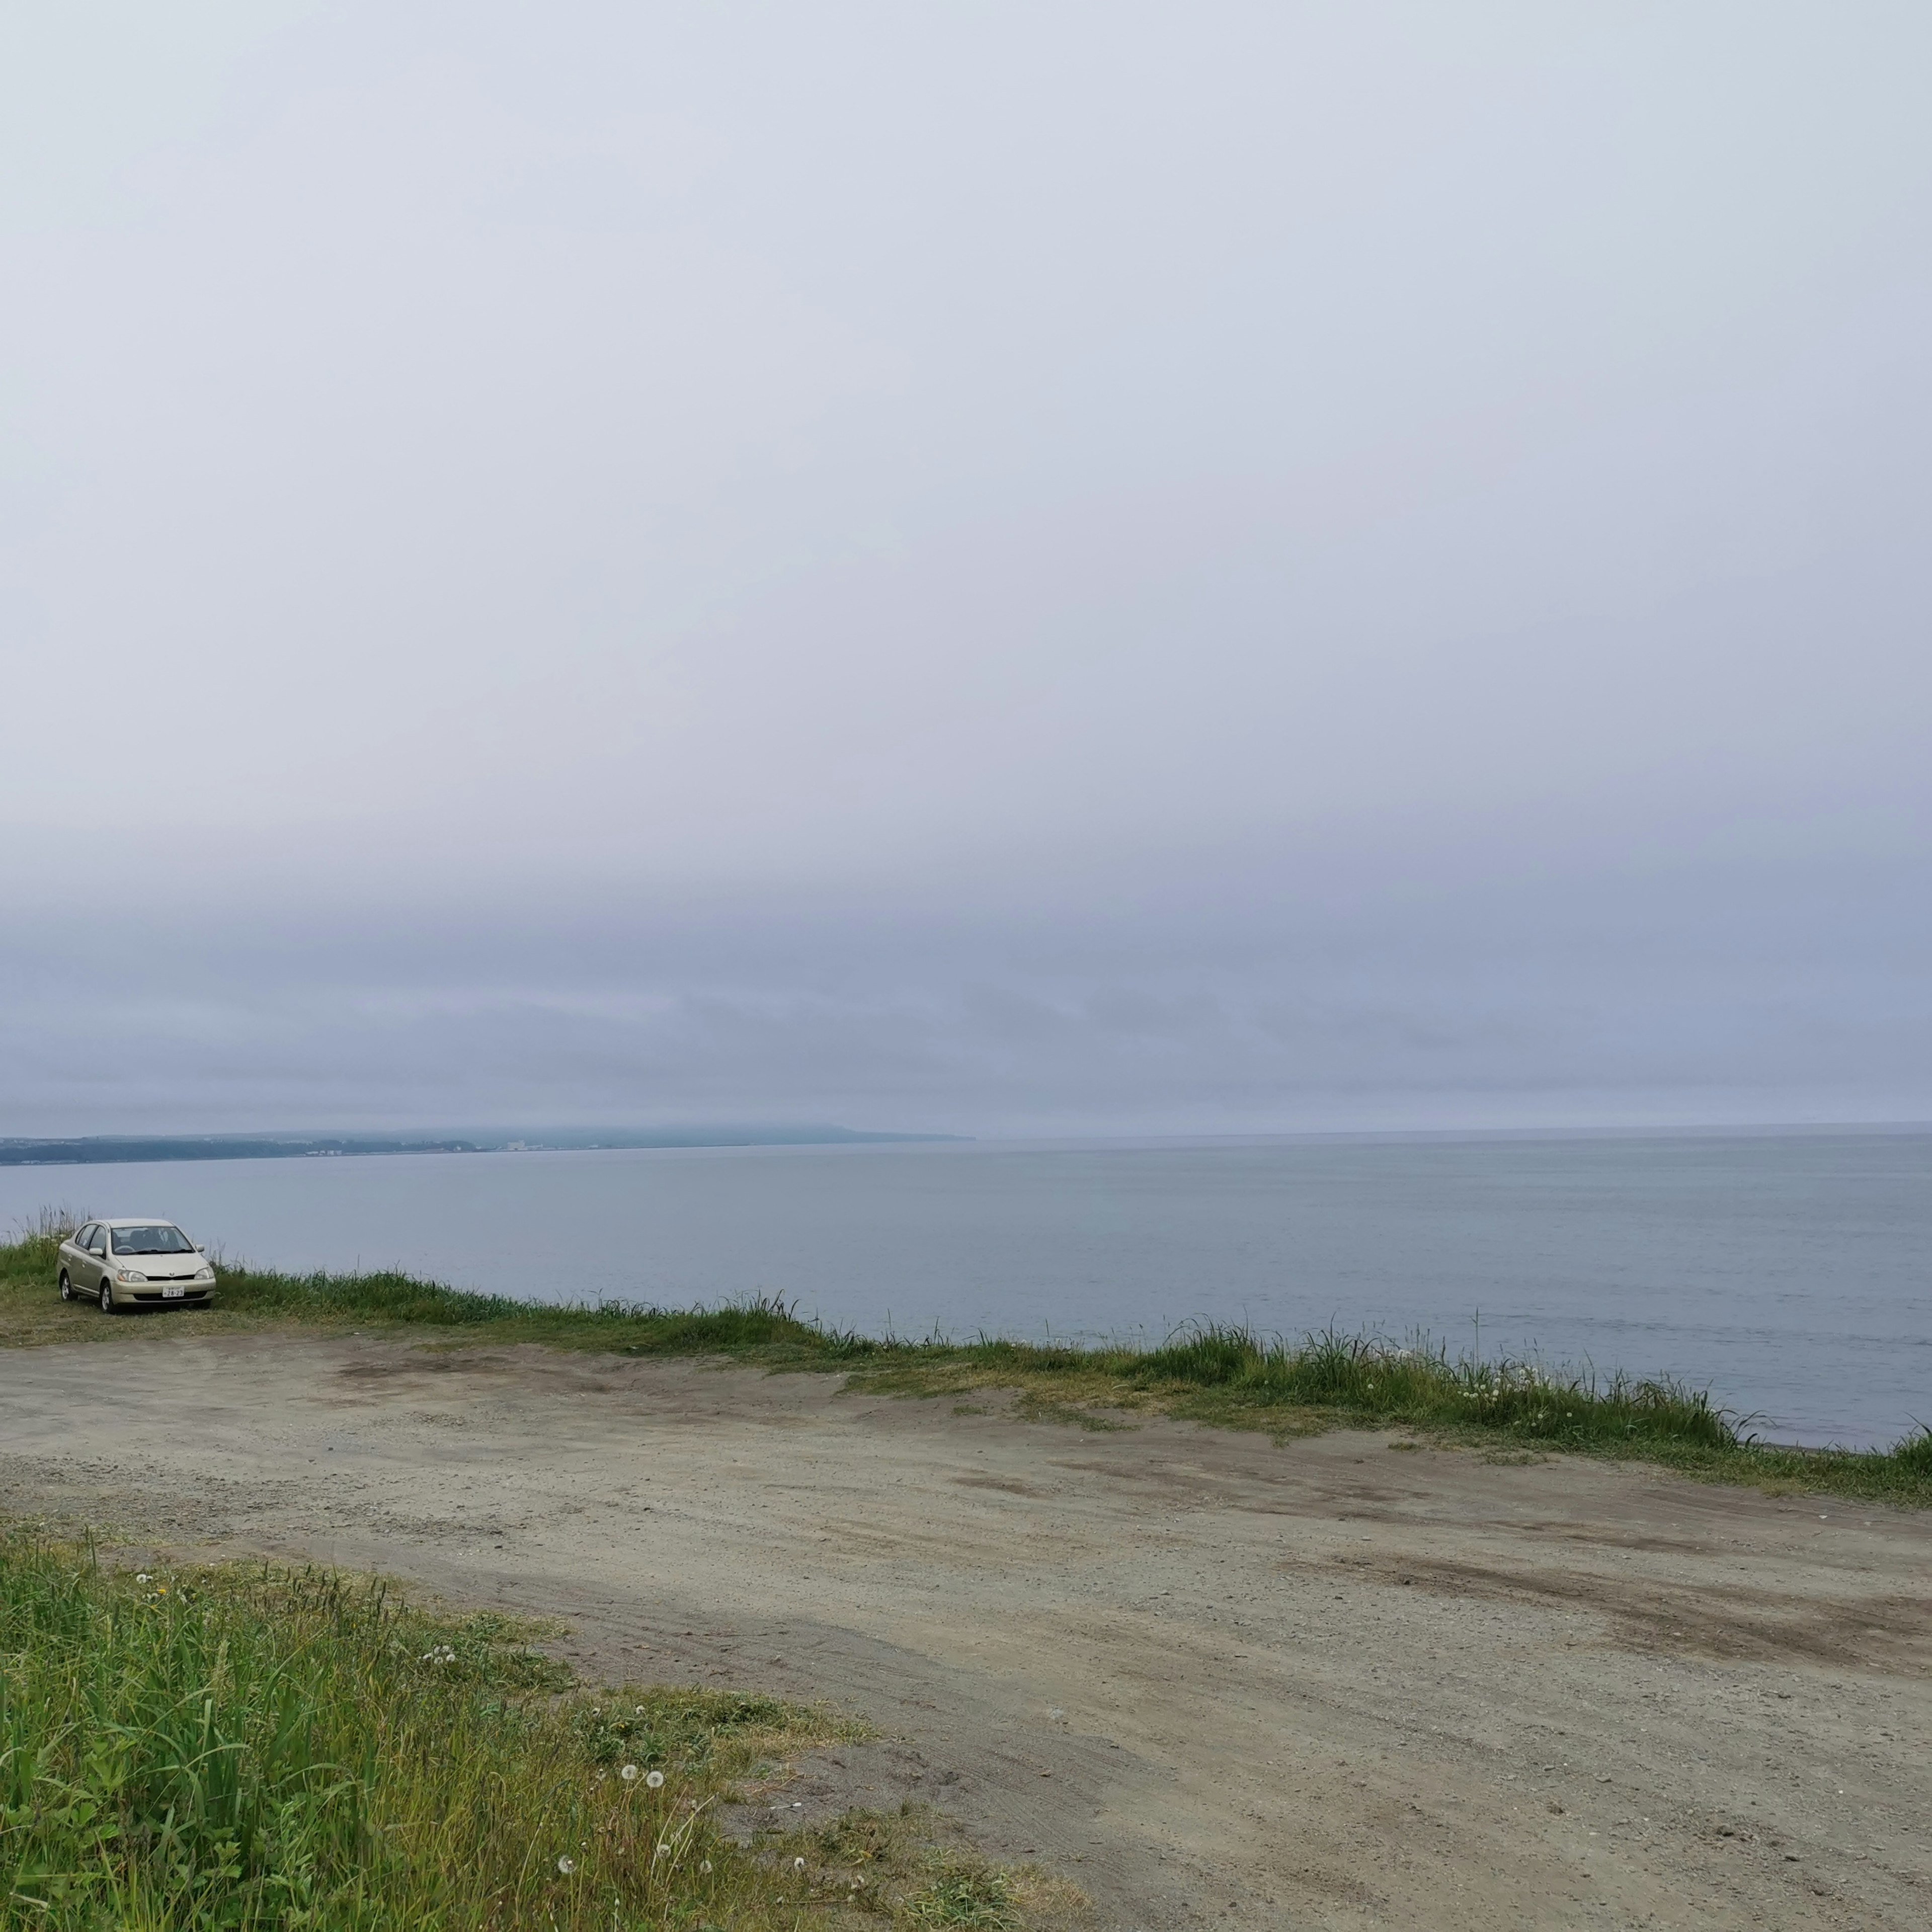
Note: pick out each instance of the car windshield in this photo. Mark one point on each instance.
(160, 1239)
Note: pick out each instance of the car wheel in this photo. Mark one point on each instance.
(67, 1287)
(106, 1297)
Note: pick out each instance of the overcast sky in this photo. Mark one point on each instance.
(1007, 568)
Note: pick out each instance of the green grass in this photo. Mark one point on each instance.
(1218, 1374)
(253, 1748)
(965, 1898)
(246, 1748)
(916, 1868)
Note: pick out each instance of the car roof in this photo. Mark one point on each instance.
(139, 1221)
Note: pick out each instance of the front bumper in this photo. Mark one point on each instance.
(154, 1295)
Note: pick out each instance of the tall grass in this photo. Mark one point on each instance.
(273, 1749)
(1412, 1384)
(1210, 1371)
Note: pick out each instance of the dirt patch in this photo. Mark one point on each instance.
(418, 1362)
(1199, 1676)
(1644, 1614)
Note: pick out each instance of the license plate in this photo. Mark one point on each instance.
(172, 1294)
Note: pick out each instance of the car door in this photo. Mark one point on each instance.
(74, 1257)
(97, 1249)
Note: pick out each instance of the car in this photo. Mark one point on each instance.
(136, 1263)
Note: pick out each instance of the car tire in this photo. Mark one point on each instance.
(67, 1287)
(106, 1297)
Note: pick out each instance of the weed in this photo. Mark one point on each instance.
(253, 1748)
(1034, 1407)
(974, 1897)
(915, 1867)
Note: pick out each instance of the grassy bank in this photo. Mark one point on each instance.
(1218, 1374)
(246, 1749)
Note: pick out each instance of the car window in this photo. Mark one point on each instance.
(86, 1234)
(97, 1239)
(153, 1237)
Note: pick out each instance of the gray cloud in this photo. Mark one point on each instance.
(1012, 568)
(1275, 995)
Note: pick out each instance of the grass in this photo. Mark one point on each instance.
(916, 1868)
(1214, 1374)
(253, 1748)
(244, 1748)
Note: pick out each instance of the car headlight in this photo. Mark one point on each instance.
(129, 1274)
(204, 1274)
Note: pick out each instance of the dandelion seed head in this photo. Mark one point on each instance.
(798, 1865)
(566, 1866)
(654, 1780)
(629, 1773)
(143, 1577)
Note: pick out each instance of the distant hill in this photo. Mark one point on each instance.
(102, 1149)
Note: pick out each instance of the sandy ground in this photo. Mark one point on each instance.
(1209, 1679)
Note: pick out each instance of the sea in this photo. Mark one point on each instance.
(1790, 1274)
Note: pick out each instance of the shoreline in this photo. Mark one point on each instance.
(1782, 1273)
(1223, 1375)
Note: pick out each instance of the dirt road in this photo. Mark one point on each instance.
(1338, 1683)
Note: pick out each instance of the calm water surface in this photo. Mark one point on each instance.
(1791, 1272)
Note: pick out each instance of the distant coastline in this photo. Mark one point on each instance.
(101, 1150)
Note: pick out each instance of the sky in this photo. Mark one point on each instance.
(998, 569)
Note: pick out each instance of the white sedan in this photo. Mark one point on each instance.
(134, 1264)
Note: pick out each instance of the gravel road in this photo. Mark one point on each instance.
(1339, 1682)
